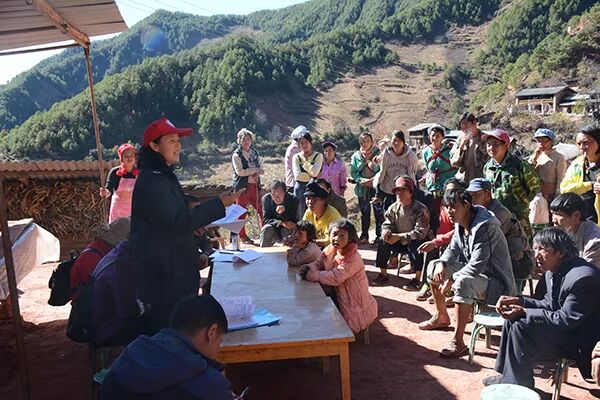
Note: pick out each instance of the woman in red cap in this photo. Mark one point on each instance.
(162, 226)
(120, 183)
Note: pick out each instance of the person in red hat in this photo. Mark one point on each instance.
(405, 228)
(120, 182)
(162, 226)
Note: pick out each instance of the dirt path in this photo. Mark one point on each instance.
(400, 363)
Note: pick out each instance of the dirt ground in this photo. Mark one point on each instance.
(401, 362)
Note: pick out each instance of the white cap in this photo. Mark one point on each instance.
(299, 131)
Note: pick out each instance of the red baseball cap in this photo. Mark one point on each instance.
(162, 127)
(403, 183)
(499, 134)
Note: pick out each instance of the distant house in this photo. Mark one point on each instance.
(418, 133)
(581, 103)
(543, 100)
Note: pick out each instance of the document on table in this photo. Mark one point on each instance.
(241, 313)
(231, 219)
(234, 256)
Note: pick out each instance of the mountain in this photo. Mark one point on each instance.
(336, 66)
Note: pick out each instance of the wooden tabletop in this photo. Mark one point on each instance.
(307, 315)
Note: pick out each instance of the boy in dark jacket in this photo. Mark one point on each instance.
(162, 226)
(176, 363)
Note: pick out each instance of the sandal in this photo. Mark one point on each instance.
(432, 324)
(452, 351)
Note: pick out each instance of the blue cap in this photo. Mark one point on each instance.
(543, 132)
(479, 184)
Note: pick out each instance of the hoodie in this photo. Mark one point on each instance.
(165, 366)
(485, 252)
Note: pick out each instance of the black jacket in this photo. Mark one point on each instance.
(270, 216)
(162, 236)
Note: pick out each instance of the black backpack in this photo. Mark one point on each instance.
(60, 281)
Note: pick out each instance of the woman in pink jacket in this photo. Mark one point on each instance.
(342, 267)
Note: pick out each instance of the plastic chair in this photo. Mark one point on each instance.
(561, 375)
(481, 320)
(508, 392)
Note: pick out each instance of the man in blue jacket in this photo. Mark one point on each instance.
(176, 363)
(564, 324)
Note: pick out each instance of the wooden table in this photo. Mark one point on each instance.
(310, 326)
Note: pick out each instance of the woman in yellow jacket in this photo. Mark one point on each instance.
(583, 175)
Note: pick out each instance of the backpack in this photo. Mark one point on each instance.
(79, 325)
(60, 280)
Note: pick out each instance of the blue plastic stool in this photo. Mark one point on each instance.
(508, 392)
(481, 320)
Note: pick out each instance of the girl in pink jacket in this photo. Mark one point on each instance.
(342, 267)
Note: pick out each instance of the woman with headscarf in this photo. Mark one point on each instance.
(120, 183)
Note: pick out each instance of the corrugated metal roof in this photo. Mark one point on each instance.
(22, 25)
(52, 169)
(547, 91)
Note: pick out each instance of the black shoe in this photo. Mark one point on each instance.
(492, 380)
(413, 286)
(380, 280)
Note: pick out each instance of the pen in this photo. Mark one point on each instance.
(243, 394)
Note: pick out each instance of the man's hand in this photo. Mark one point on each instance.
(596, 363)
(596, 187)
(199, 232)
(512, 312)
(394, 237)
(506, 301)
(228, 198)
(426, 247)
(439, 275)
(288, 224)
(386, 234)
(280, 209)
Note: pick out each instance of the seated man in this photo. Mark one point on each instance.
(518, 244)
(565, 324)
(319, 213)
(179, 361)
(333, 199)
(568, 212)
(404, 229)
(280, 210)
(476, 264)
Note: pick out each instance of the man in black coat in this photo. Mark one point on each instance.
(280, 214)
(564, 324)
(162, 226)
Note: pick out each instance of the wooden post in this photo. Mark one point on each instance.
(14, 295)
(88, 63)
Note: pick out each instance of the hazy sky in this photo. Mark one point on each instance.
(135, 10)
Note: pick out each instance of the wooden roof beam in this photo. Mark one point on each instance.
(46, 9)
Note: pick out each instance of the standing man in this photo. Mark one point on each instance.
(521, 254)
(292, 149)
(514, 183)
(476, 265)
(564, 324)
(548, 163)
(470, 154)
(280, 210)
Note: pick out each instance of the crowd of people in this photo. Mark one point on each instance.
(473, 219)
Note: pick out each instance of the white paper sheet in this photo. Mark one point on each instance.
(246, 256)
(230, 221)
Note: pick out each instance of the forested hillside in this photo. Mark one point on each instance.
(305, 48)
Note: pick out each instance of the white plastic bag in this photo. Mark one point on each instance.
(539, 213)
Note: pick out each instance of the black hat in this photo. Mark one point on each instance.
(314, 190)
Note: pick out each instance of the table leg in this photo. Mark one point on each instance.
(345, 371)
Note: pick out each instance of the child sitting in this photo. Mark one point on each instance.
(342, 267)
(304, 249)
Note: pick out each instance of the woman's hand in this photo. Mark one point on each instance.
(228, 198)
(104, 192)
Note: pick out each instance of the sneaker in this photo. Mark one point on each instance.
(492, 380)
(424, 293)
(412, 286)
(380, 280)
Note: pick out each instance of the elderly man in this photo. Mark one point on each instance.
(318, 212)
(514, 183)
(564, 324)
(518, 244)
(280, 211)
(568, 212)
(476, 264)
(404, 229)
(548, 163)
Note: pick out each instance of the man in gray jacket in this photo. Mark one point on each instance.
(476, 265)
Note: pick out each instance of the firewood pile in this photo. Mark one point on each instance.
(66, 208)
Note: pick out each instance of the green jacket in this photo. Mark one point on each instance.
(514, 184)
(359, 170)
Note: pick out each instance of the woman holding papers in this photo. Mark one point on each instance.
(162, 226)
(342, 267)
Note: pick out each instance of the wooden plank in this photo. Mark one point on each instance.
(345, 371)
(60, 23)
(227, 356)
